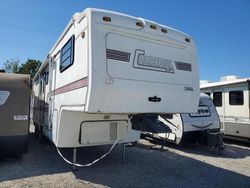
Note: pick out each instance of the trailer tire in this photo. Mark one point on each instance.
(41, 137)
(36, 131)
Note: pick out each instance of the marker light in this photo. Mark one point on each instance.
(139, 24)
(153, 27)
(164, 30)
(106, 19)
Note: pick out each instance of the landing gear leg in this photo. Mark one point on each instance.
(74, 159)
(123, 152)
(163, 144)
(41, 137)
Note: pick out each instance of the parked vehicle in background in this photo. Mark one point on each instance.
(192, 126)
(202, 126)
(107, 68)
(14, 114)
(231, 97)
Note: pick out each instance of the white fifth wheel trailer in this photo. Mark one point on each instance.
(231, 98)
(107, 68)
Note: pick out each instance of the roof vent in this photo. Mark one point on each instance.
(228, 78)
(205, 81)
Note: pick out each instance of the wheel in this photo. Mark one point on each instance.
(41, 137)
(36, 131)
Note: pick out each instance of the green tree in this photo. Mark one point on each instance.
(30, 67)
(11, 66)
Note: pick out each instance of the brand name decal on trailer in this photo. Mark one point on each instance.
(188, 88)
(203, 111)
(142, 61)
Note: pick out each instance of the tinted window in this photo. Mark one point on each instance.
(236, 98)
(67, 54)
(46, 77)
(217, 98)
(209, 94)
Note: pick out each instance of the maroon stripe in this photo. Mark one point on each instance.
(70, 87)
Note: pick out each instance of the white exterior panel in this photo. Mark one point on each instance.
(116, 79)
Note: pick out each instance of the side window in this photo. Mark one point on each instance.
(40, 88)
(67, 54)
(46, 77)
(217, 98)
(236, 98)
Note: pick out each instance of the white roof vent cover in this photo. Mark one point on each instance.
(228, 78)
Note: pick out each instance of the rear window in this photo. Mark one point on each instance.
(217, 99)
(236, 98)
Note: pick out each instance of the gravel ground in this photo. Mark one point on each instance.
(145, 166)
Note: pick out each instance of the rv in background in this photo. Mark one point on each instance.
(14, 114)
(231, 97)
(202, 126)
(192, 126)
(107, 68)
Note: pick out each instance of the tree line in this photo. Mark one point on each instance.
(31, 66)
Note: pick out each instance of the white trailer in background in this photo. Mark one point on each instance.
(203, 126)
(231, 98)
(107, 68)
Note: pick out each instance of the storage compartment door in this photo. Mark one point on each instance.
(100, 132)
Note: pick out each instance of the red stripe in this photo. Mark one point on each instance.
(70, 87)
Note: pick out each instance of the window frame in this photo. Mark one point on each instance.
(46, 77)
(71, 56)
(230, 100)
(221, 103)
